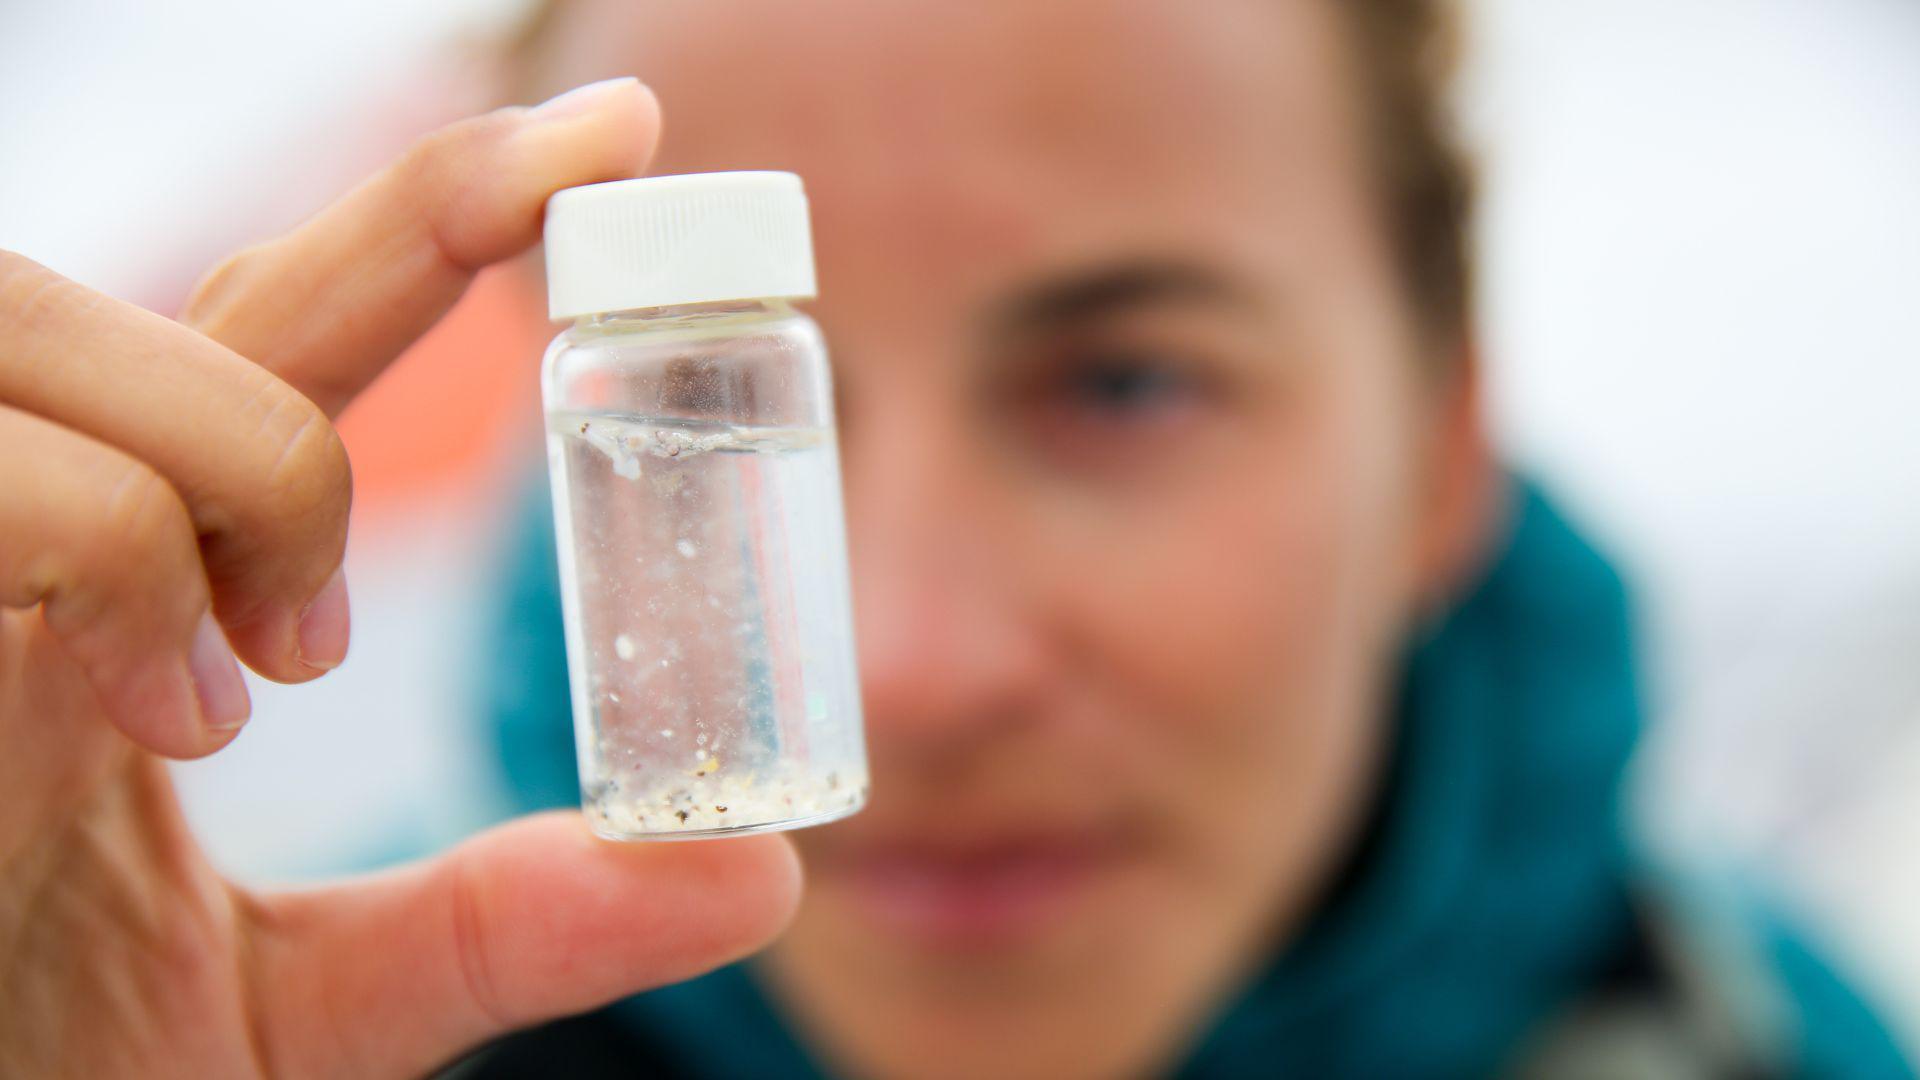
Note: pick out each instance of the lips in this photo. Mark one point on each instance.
(982, 895)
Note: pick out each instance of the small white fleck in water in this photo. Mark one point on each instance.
(623, 647)
(686, 548)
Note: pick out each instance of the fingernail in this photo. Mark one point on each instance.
(325, 625)
(224, 704)
(580, 99)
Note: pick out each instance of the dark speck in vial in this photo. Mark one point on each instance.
(584, 426)
(681, 814)
(719, 809)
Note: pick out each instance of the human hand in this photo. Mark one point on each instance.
(173, 495)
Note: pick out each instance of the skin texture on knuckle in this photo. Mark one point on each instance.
(310, 479)
(272, 523)
(137, 535)
(83, 525)
(446, 179)
(472, 943)
(296, 483)
(210, 302)
(139, 510)
(121, 581)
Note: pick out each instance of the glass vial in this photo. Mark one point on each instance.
(696, 494)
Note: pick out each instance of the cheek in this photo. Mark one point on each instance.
(1247, 619)
(1267, 572)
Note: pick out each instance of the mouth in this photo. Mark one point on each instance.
(974, 896)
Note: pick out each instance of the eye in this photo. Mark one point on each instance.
(1113, 410)
(1116, 385)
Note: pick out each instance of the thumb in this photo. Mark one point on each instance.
(399, 973)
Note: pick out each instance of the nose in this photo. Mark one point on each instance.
(951, 643)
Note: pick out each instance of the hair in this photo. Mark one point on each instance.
(1406, 52)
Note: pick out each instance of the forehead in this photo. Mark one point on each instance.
(977, 132)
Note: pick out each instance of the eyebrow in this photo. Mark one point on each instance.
(1116, 287)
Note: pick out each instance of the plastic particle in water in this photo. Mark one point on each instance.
(623, 647)
(666, 733)
(686, 548)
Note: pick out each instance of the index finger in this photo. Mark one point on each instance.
(329, 305)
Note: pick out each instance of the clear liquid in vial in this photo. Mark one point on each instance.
(707, 610)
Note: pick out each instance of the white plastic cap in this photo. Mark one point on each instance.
(665, 240)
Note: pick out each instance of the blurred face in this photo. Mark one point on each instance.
(1141, 467)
